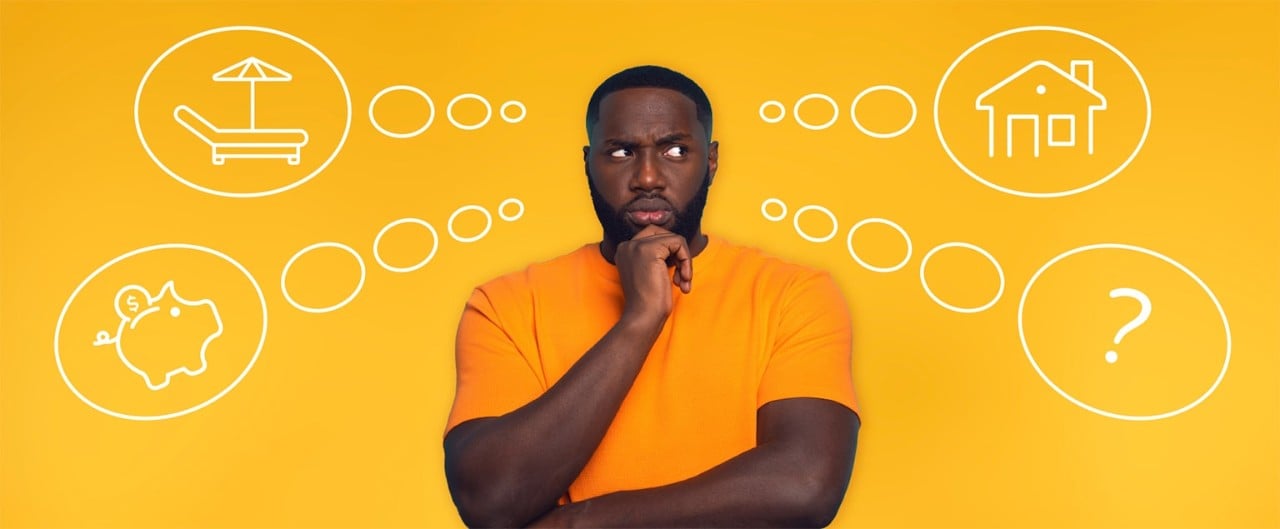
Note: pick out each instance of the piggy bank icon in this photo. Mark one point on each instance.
(162, 335)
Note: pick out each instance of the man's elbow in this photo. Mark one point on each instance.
(817, 503)
(818, 492)
(482, 502)
(482, 508)
(495, 501)
(471, 512)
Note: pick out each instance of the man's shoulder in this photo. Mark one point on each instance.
(782, 279)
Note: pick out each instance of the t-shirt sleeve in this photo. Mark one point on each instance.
(494, 377)
(812, 350)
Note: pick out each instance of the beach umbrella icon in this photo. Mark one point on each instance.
(252, 70)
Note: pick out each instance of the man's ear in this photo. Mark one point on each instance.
(586, 152)
(713, 160)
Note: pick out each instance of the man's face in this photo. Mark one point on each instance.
(649, 162)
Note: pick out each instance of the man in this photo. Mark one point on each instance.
(662, 377)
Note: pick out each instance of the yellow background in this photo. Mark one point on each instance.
(338, 424)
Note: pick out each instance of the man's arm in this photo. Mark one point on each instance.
(506, 471)
(796, 476)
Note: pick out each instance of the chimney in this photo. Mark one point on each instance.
(1082, 70)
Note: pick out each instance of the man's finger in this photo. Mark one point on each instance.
(673, 249)
(683, 276)
(650, 231)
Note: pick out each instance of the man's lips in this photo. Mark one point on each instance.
(649, 216)
(649, 211)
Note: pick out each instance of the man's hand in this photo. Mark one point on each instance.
(643, 264)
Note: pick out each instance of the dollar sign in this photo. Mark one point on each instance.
(133, 303)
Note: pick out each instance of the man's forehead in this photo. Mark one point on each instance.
(647, 111)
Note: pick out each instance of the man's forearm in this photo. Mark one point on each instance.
(511, 469)
(759, 488)
(795, 477)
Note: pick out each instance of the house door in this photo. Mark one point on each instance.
(1022, 135)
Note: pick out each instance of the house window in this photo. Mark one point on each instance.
(1062, 130)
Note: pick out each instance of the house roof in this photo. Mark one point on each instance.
(1032, 65)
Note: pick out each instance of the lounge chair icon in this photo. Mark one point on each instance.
(243, 143)
(252, 142)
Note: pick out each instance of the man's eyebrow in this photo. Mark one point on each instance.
(674, 137)
(614, 142)
(664, 140)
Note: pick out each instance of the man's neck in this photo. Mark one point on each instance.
(696, 244)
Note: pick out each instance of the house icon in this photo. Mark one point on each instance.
(1052, 100)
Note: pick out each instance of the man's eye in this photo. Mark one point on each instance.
(619, 153)
(677, 150)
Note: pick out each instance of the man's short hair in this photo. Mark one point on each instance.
(651, 77)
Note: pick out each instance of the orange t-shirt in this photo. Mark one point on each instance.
(754, 329)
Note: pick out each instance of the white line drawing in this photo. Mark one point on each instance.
(435, 244)
(1059, 90)
(488, 111)
(402, 135)
(835, 111)
(488, 223)
(772, 103)
(251, 142)
(964, 310)
(252, 70)
(835, 224)
(937, 121)
(503, 206)
(137, 116)
(502, 111)
(57, 349)
(848, 241)
(1069, 127)
(133, 304)
(242, 143)
(853, 111)
(1026, 348)
(1144, 313)
(321, 310)
(764, 209)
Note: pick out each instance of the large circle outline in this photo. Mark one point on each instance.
(964, 310)
(835, 111)
(470, 207)
(853, 111)
(835, 223)
(1026, 348)
(488, 111)
(435, 245)
(848, 242)
(937, 122)
(402, 135)
(57, 353)
(137, 120)
(321, 310)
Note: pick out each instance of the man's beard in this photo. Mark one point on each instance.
(617, 229)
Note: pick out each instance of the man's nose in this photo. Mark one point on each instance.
(648, 173)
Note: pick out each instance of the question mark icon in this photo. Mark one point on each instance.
(1145, 313)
